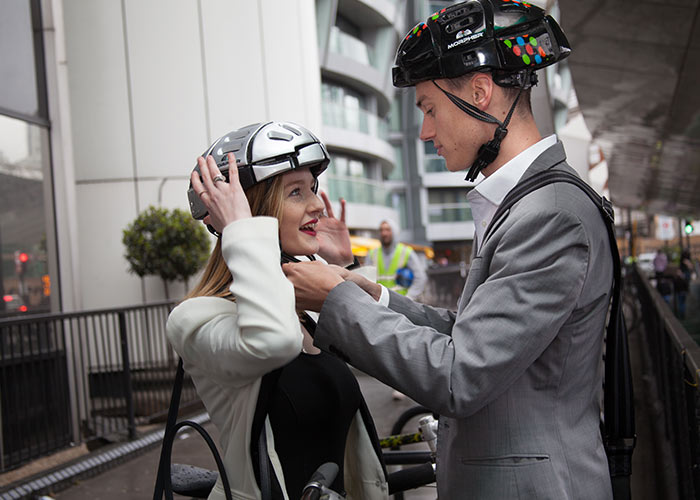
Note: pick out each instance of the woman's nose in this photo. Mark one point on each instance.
(317, 206)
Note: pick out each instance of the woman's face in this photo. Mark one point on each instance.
(301, 209)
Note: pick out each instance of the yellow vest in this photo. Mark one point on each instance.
(387, 275)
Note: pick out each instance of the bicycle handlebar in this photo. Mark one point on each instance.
(413, 477)
(320, 481)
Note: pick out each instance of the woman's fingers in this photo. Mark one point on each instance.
(342, 210)
(232, 170)
(327, 203)
(196, 180)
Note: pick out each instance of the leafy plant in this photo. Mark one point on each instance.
(164, 243)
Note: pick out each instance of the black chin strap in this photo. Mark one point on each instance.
(489, 151)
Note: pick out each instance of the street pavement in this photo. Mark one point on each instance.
(135, 478)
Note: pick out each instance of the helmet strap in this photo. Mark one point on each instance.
(487, 152)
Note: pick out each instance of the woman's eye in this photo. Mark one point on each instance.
(295, 192)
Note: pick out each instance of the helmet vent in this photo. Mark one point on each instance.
(293, 130)
(467, 22)
(279, 135)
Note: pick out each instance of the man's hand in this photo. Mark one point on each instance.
(312, 282)
(333, 235)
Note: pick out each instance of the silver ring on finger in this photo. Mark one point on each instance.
(219, 178)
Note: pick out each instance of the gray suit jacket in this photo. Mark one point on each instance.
(516, 372)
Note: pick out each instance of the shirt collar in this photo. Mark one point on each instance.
(496, 186)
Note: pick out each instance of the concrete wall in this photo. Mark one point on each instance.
(149, 85)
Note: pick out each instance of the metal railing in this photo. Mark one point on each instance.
(673, 360)
(75, 377)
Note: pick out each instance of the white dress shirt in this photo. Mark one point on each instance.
(489, 191)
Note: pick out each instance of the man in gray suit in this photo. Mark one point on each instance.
(516, 373)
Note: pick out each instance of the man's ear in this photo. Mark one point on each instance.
(482, 87)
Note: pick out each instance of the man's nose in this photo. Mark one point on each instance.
(426, 131)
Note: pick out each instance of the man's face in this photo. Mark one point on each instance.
(386, 236)
(456, 135)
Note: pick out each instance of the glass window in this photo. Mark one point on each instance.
(25, 191)
(19, 82)
(352, 179)
(25, 281)
(397, 173)
(448, 205)
(397, 201)
(395, 114)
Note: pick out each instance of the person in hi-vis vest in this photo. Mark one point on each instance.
(393, 256)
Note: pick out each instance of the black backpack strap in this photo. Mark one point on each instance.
(267, 481)
(618, 406)
(163, 464)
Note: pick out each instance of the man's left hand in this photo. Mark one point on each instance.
(312, 282)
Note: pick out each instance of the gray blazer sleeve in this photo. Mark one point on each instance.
(533, 283)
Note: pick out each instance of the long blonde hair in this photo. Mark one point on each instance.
(265, 199)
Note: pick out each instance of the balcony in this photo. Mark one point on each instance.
(356, 190)
(345, 45)
(355, 119)
(357, 131)
(449, 212)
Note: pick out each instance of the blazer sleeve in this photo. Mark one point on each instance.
(535, 278)
(235, 342)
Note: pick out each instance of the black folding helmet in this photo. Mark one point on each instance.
(507, 37)
(263, 150)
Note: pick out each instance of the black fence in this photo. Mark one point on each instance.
(672, 359)
(82, 377)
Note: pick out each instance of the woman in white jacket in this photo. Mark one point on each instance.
(238, 327)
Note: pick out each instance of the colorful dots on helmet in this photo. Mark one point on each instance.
(508, 43)
(526, 59)
(417, 29)
(520, 40)
(541, 52)
(518, 2)
(517, 51)
(529, 49)
(533, 41)
(538, 59)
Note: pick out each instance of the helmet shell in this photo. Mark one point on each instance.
(263, 151)
(507, 37)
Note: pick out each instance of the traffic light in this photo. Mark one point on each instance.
(688, 226)
(21, 260)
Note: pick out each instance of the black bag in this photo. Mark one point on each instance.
(618, 426)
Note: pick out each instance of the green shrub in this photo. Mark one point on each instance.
(164, 243)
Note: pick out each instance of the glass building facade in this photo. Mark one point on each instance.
(27, 280)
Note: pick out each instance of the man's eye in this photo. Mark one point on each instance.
(429, 111)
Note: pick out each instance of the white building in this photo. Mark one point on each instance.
(104, 106)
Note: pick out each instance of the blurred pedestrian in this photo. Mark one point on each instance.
(392, 257)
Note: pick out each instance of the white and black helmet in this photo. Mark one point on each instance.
(264, 150)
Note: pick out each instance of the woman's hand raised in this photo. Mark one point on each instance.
(225, 201)
(333, 235)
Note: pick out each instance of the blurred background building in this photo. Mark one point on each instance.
(104, 106)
